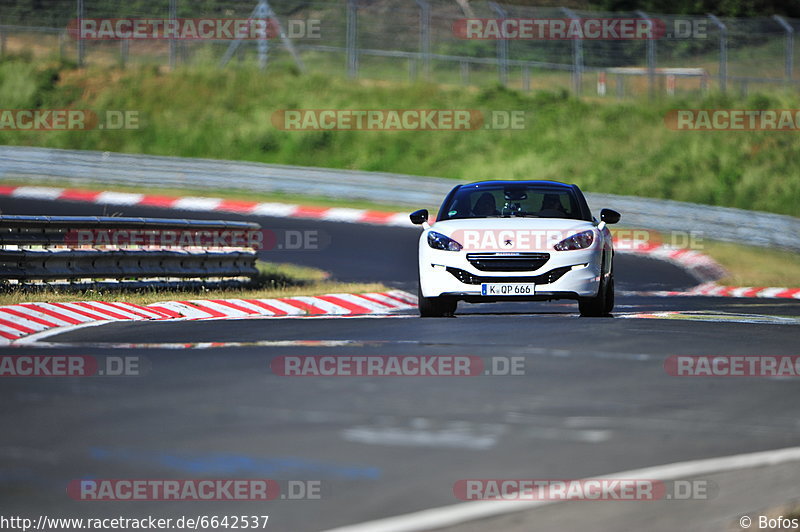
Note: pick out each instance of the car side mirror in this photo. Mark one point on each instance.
(419, 217)
(609, 216)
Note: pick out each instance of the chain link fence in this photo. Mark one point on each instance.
(425, 40)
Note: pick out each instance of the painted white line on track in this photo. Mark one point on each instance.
(32, 339)
(447, 516)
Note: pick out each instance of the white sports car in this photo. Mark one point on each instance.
(515, 241)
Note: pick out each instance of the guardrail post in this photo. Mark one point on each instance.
(723, 52)
(526, 78)
(651, 54)
(577, 56)
(502, 48)
(352, 37)
(425, 36)
(789, 55)
(79, 41)
(464, 67)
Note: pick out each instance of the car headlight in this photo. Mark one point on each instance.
(439, 241)
(580, 240)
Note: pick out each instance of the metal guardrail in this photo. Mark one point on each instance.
(48, 248)
(41, 164)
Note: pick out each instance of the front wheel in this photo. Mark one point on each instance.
(602, 304)
(435, 307)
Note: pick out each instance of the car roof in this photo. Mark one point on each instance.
(538, 183)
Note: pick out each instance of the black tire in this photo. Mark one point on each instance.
(609, 308)
(435, 307)
(602, 304)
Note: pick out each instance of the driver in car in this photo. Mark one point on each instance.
(552, 207)
(486, 205)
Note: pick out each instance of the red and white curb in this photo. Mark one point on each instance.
(703, 266)
(24, 320)
(706, 269)
(282, 210)
(715, 290)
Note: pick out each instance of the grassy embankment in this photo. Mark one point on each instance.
(604, 146)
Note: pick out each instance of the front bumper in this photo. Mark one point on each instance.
(566, 275)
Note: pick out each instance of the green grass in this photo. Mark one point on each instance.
(752, 266)
(604, 146)
(274, 280)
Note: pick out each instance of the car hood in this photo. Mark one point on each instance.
(448, 227)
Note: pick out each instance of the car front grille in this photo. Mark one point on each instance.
(545, 278)
(507, 262)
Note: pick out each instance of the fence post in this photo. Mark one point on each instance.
(425, 36)
(502, 48)
(723, 52)
(79, 41)
(263, 12)
(123, 52)
(173, 45)
(526, 78)
(651, 54)
(464, 72)
(577, 56)
(789, 57)
(352, 37)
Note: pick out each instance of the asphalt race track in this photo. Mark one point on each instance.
(594, 399)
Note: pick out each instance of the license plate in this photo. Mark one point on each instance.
(508, 289)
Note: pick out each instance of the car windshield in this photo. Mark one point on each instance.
(511, 200)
